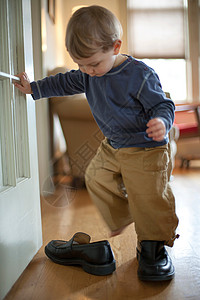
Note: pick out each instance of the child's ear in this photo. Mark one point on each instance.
(117, 46)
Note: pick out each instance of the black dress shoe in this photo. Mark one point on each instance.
(154, 262)
(95, 258)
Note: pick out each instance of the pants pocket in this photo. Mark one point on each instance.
(156, 159)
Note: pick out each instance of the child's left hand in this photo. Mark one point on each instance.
(156, 129)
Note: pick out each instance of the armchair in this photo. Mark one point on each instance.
(81, 133)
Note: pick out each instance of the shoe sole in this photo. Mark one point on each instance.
(156, 278)
(100, 270)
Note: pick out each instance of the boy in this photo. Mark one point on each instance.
(135, 116)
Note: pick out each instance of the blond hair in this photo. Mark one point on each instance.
(90, 30)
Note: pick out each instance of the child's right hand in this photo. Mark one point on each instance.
(24, 85)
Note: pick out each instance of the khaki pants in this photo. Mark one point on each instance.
(149, 201)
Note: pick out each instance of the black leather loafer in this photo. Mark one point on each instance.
(154, 262)
(95, 258)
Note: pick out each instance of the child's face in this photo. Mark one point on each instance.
(98, 64)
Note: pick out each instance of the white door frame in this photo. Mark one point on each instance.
(20, 215)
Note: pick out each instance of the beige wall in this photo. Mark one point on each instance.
(48, 53)
(52, 37)
(42, 120)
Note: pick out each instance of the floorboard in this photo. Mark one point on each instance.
(72, 210)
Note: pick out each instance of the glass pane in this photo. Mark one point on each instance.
(1, 178)
(150, 38)
(4, 41)
(15, 36)
(1, 174)
(6, 135)
(19, 99)
(6, 132)
(146, 4)
(21, 135)
(156, 28)
(13, 108)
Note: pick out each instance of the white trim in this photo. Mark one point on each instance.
(4, 76)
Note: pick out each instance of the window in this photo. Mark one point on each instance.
(158, 32)
(172, 74)
(1, 175)
(14, 154)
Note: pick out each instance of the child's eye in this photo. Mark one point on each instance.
(95, 65)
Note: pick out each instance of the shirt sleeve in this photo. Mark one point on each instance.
(66, 84)
(154, 101)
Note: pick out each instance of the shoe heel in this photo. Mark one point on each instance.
(100, 270)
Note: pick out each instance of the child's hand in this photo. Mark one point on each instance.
(156, 129)
(24, 85)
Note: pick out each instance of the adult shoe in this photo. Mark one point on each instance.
(95, 258)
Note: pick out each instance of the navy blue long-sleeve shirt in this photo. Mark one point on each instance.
(122, 101)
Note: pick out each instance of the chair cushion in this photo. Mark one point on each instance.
(187, 128)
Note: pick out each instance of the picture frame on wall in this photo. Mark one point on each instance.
(52, 9)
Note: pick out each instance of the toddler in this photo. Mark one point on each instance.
(135, 116)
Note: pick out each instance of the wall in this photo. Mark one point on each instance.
(52, 37)
(48, 53)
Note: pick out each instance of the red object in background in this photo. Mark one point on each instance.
(187, 119)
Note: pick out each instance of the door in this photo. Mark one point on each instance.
(20, 217)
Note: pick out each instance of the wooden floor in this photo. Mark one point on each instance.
(72, 211)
